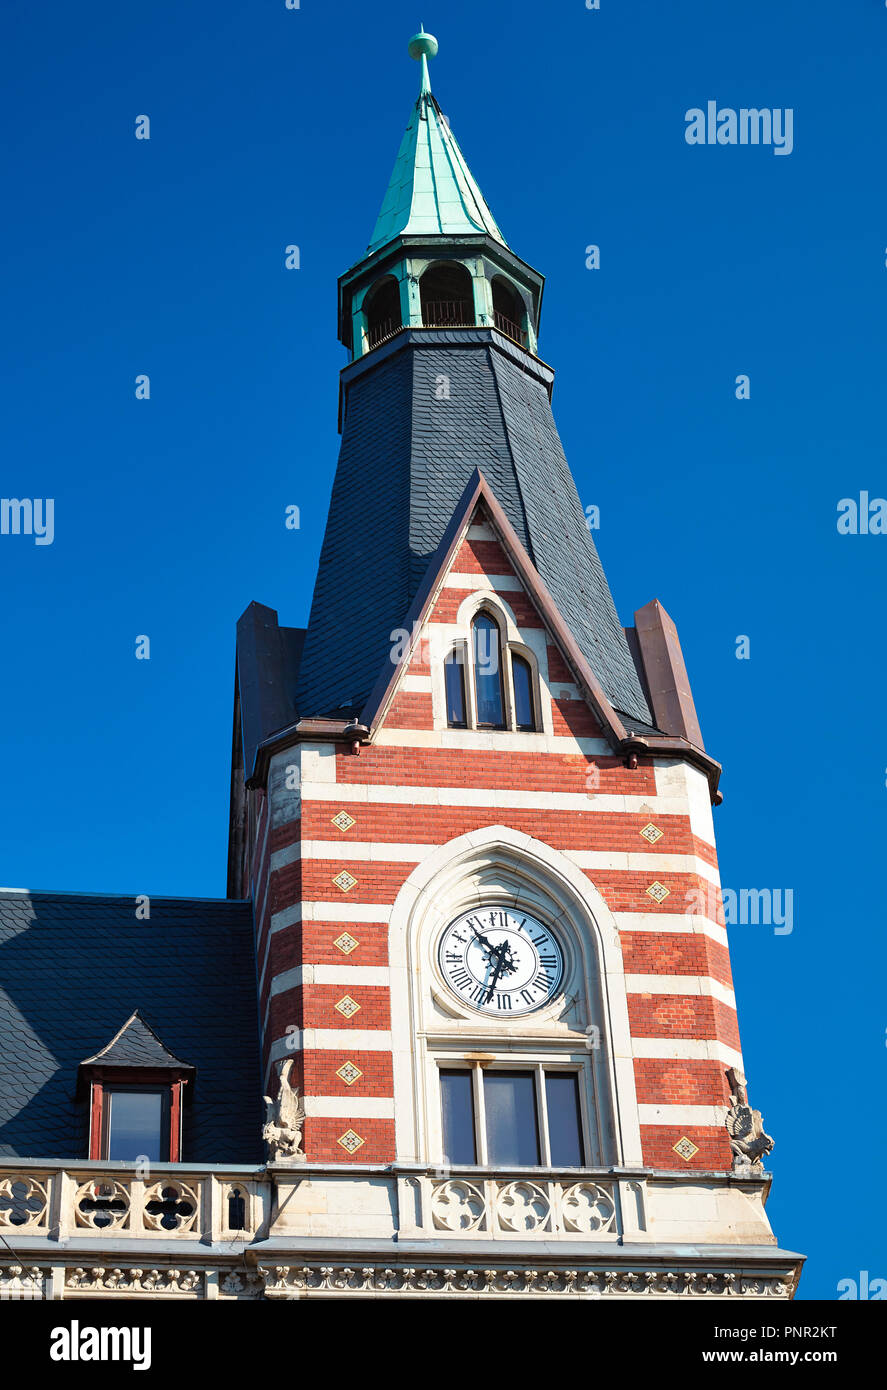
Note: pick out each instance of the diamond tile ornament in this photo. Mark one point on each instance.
(343, 821)
(350, 1141)
(347, 1006)
(345, 881)
(686, 1148)
(658, 892)
(651, 833)
(346, 943)
(349, 1073)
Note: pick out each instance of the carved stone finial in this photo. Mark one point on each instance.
(748, 1140)
(284, 1118)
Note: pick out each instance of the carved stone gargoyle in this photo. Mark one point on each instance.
(748, 1140)
(284, 1118)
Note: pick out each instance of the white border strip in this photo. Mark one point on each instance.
(680, 984)
(329, 975)
(683, 1115)
(349, 1107)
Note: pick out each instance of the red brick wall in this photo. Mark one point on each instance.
(311, 943)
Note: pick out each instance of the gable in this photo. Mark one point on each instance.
(479, 573)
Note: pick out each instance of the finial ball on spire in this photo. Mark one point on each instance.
(423, 45)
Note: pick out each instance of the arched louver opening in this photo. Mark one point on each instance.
(524, 704)
(509, 313)
(382, 310)
(487, 655)
(447, 296)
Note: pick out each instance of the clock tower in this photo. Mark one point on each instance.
(473, 812)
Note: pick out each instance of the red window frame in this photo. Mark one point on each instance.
(106, 1079)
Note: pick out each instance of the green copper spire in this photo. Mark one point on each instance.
(432, 191)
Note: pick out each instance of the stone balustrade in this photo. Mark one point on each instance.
(174, 1202)
(516, 1205)
(118, 1200)
(298, 1229)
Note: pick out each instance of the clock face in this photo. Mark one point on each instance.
(501, 961)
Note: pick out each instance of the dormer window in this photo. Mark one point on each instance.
(496, 688)
(136, 1090)
(135, 1122)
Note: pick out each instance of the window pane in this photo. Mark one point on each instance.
(487, 672)
(510, 1104)
(523, 693)
(458, 1117)
(454, 671)
(564, 1119)
(136, 1125)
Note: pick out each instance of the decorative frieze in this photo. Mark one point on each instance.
(300, 1280)
(22, 1282)
(177, 1283)
(284, 1282)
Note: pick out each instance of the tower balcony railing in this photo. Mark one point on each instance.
(379, 333)
(511, 329)
(448, 313)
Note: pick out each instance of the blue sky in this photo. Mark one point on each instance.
(271, 127)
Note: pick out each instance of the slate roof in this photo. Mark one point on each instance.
(136, 1045)
(405, 460)
(74, 967)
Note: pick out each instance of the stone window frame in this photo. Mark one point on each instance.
(511, 643)
(538, 1060)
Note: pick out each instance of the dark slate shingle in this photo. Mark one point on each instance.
(136, 1045)
(421, 416)
(74, 967)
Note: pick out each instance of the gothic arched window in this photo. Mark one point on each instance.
(522, 684)
(486, 650)
(454, 681)
(490, 683)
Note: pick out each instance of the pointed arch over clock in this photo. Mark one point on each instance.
(513, 900)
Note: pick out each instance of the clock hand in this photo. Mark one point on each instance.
(501, 966)
(484, 940)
